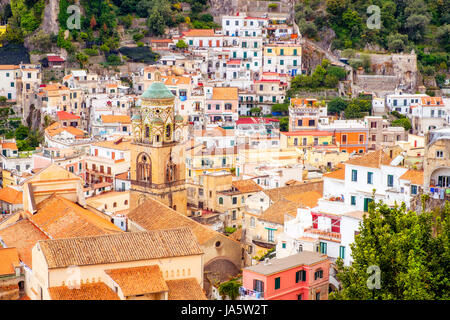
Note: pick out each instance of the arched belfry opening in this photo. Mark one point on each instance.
(170, 170)
(144, 167)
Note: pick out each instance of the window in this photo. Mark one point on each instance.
(271, 235)
(269, 61)
(344, 139)
(300, 276)
(323, 248)
(269, 50)
(281, 52)
(283, 245)
(413, 189)
(354, 175)
(258, 285)
(317, 295)
(234, 215)
(369, 177)
(361, 138)
(234, 200)
(390, 180)
(277, 283)
(342, 252)
(318, 274)
(295, 52)
(227, 22)
(252, 222)
(439, 154)
(220, 200)
(353, 200)
(281, 62)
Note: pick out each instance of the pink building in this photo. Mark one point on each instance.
(302, 276)
(222, 104)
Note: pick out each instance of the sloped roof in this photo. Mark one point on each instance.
(246, 186)
(119, 247)
(305, 199)
(414, 176)
(138, 280)
(154, 215)
(185, 289)
(9, 145)
(275, 213)
(63, 218)
(63, 115)
(90, 291)
(336, 174)
(11, 195)
(9, 258)
(276, 194)
(22, 235)
(372, 159)
(199, 33)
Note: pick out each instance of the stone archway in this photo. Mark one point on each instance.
(143, 167)
(218, 269)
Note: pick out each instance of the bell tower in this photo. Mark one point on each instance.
(157, 158)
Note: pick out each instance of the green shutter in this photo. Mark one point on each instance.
(277, 283)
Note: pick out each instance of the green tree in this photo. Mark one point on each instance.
(255, 111)
(410, 249)
(155, 23)
(336, 106)
(353, 111)
(403, 122)
(22, 132)
(181, 44)
(284, 124)
(230, 289)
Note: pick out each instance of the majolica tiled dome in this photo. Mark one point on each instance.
(157, 90)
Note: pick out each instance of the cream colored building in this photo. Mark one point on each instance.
(139, 269)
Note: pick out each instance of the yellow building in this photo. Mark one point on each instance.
(283, 58)
(306, 139)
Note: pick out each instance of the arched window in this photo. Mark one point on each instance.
(115, 205)
(144, 167)
(220, 200)
(252, 222)
(126, 202)
(170, 170)
(168, 131)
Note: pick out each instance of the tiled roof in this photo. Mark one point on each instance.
(138, 280)
(55, 59)
(22, 235)
(174, 80)
(63, 115)
(8, 67)
(90, 291)
(62, 218)
(11, 195)
(119, 247)
(154, 215)
(9, 258)
(415, 176)
(199, 33)
(337, 174)
(275, 213)
(225, 93)
(185, 289)
(106, 118)
(432, 101)
(276, 194)
(9, 145)
(305, 199)
(372, 159)
(246, 186)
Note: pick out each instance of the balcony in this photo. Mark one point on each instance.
(248, 294)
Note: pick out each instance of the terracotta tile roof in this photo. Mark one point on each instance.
(276, 194)
(8, 67)
(372, 159)
(154, 215)
(119, 247)
(11, 195)
(185, 289)
(9, 258)
(246, 186)
(305, 199)
(415, 176)
(225, 93)
(432, 101)
(9, 145)
(336, 174)
(106, 118)
(75, 131)
(64, 115)
(275, 213)
(199, 33)
(90, 291)
(22, 235)
(139, 280)
(62, 218)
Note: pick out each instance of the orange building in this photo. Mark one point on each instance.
(349, 135)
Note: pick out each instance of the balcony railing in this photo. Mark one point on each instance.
(248, 294)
